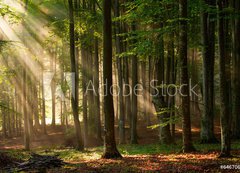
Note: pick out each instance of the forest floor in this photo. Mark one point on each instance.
(147, 156)
(140, 158)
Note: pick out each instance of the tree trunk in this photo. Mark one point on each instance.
(224, 97)
(134, 105)
(185, 104)
(43, 122)
(96, 86)
(84, 95)
(53, 90)
(35, 106)
(127, 98)
(159, 102)
(119, 50)
(110, 148)
(4, 129)
(236, 71)
(91, 115)
(173, 81)
(144, 93)
(25, 112)
(97, 96)
(75, 77)
(208, 35)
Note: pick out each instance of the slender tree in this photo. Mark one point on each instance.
(208, 37)
(236, 70)
(224, 97)
(74, 70)
(53, 87)
(96, 86)
(24, 100)
(185, 104)
(134, 105)
(110, 149)
(43, 123)
(119, 50)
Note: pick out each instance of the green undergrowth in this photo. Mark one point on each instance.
(72, 155)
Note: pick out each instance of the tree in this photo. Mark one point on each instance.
(236, 70)
(96, 85)
(224, 97)
(35, 106)
(75, 82)
(134, 107)
(24, 100)
(84, 96)
(53, 87)
(208, 37)
(185, 100)
(43, 123)
(25, 112)
(110, 149)
(119, 50)
(159, 102)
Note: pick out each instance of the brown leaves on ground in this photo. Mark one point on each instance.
(195, 162)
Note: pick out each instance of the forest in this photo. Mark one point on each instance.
(119, 86)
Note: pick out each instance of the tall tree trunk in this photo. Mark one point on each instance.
(144, 93)
(84, 88)
(84, 95)
(91, 115)
(150, 78)
(97, 96)
(110, 148)
(13, 114)
(43, 121)
(185, 104)
(35, 106)
(119, 50)
(9, 125)
(29, 104)
(74, 70)
(236, 71)
(208, 34)
(224, 97)
(173, 81)
(16, 111)
(25, 112)
(159, 102)
(24, 98)
(134, 104)
(96, 85)
(53, 89)
(4, 128)
(127, 100)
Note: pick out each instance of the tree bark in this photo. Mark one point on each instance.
(75, 80)
(224, 97)
(208, 35)
(84, 95)
(25, 112)
(53, 89)
(185, 100)
(119, 50)
(110, 149)
(43, 123)
(236, 71)
(134, 105)
(96, 86)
